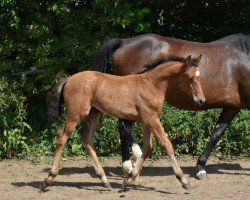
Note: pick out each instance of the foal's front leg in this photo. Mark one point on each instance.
(158, 130)
(88, 136)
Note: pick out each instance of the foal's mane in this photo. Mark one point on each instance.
(242, 41)
(166, 59)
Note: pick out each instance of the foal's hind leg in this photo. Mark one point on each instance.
(88, 135)
(62, 138)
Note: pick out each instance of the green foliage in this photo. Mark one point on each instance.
(107, 136)
(237, 139)
(42, 41)
(189, 131)
(14, 142)
(12, 120)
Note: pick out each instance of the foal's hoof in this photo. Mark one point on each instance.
(44, 185)
(125, 185)
(186, 186)
(202, 175)
(107, 186)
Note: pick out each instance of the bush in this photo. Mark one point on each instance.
(13, 140)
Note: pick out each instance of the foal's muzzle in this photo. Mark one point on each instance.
(198, 101)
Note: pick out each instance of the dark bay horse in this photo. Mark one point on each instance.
(225, 78)
(136, 97)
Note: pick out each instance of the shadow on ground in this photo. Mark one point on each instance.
(115, 173)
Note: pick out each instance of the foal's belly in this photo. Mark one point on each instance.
(119, 109)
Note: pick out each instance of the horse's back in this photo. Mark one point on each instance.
(224, 66)
(143, 49)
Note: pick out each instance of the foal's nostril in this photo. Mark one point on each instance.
(201, 103)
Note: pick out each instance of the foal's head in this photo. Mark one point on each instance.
(191, 76)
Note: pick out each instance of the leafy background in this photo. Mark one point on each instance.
(43, 41)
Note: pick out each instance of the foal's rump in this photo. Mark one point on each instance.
(62, 93)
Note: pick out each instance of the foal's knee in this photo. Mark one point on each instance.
(54, 172)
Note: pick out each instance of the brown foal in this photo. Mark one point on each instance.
(135, 97)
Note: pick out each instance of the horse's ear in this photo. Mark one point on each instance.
(188, 60)
(199, 58)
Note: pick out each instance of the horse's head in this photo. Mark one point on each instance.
(192, 77)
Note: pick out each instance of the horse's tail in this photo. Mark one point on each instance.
(101, 61)
(56, 101)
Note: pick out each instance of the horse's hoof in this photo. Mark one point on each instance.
(107, 186)
(202, 175)
(186, 186)
(127, 167)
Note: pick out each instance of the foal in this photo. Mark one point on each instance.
(135, 97)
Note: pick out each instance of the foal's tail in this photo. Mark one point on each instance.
(101, 61)
(56, 101)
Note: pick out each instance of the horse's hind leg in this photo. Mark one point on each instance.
(147, 148)
(61, 139)
(128, 139)
(88, 135)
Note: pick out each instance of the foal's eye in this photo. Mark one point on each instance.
(190, 79)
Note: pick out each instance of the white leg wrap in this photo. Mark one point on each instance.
(127, 166)
(201, 172)
(136, 150)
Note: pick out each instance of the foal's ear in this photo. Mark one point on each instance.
(188, 60)
(199, 58)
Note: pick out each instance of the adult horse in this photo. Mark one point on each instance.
(114, 95)
(225, 72)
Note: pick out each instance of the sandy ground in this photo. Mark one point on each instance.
(21, 179)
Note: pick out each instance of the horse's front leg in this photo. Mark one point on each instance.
(226, 117)
(62, 138)
(88, 136)
(128, 139)
(147, 148)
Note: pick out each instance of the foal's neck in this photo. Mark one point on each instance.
(165, 74)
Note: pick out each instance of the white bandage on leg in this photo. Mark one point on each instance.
(136, 150)
(127, 166)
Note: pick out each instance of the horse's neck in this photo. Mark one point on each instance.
(164, 76)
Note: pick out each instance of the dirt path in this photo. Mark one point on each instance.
(20, 179)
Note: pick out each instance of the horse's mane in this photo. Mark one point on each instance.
(242, 41)
(166, 59)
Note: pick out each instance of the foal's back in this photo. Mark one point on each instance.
(119, 96)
